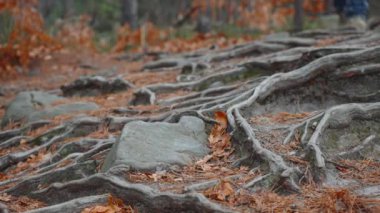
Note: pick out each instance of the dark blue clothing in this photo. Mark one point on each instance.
(352, 8)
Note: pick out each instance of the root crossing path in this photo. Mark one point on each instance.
(293, 125)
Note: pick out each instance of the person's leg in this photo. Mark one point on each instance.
(356, 12)
(355, 8)
(339, 6)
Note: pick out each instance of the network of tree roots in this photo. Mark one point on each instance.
(303, 120)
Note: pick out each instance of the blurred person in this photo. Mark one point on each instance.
(353, 13)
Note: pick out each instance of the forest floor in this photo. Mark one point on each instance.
(293, 125)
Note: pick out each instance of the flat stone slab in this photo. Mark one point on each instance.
(154, 146)
(36, 105)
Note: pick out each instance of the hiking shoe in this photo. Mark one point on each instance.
(357, 22)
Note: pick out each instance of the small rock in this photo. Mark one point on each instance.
(95, 85)
(191, 68)
(152, 146)
(143, 97)
(216, 84)
(36, 105)
(203, 25)
(187, 78)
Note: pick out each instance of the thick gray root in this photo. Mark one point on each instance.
(75, 205)
(141, 197)
(338, 116)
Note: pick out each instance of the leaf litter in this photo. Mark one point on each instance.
(114, 205)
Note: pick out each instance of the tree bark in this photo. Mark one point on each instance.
(298, 15)
(129, 12)
(68, 9)
(329, 6)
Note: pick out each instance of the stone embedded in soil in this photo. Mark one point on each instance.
(153, 146)
(143, 97)
(37, 105)
(94, 85)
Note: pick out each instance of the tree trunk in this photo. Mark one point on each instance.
(129, 12)
(68, 9)
(329, 6)
(298, 15)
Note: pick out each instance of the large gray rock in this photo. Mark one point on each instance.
(36, 105)
(153, 146)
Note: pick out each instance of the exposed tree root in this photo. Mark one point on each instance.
(277, 75)
(75, 205)
(8, 134)
(142, 197)
(306, 124)
(43, 180)
(339, 116)
(14, 158)
(355, 153)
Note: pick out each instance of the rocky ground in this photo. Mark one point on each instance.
(289, 123)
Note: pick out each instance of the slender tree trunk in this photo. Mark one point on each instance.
(45, 7)
(298, 15)
(68, 9)
(129, 12)
(329, 6)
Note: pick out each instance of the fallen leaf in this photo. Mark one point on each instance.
(221, 192)
(114, 205)
(221, 117)
(5, 197)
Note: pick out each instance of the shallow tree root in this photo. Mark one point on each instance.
(306, 125)
(75, 205)
(139, 196)
(336, 117)
(355, 153)
(72, 172)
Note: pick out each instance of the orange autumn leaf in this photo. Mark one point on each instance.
(219, 139)
(27, 42)
(285, 116)
(220, 192)
(114, 205)
(221, 117)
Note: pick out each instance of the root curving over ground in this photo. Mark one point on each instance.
(303, 117)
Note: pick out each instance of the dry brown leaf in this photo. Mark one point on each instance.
(281, 117)
(5, 197)
(221, 192)
(219, 139)
(20, 204)
(221, 117)
(338, 200)
(114, 205)
(3, 176)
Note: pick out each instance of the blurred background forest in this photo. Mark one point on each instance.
(33, 29)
